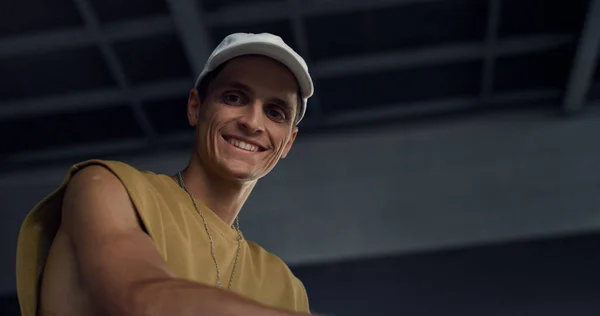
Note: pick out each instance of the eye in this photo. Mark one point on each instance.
(233, 99)
(276, 113)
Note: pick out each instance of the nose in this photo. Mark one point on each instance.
(252, 119)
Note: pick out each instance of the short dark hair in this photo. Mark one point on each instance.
(204, 84)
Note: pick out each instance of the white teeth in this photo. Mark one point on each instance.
(242, 145)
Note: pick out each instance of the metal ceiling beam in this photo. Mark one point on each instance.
(164, 90)
(93, 25)
(375, 113)
(584, 63)
(248, 13)
(79, 101)
(491, 38)
(196, 41)
(82, 101)
(298, 28)
(339, 67)
(83, 150)
(139, 28)
(429, 107)
(439, 55)
(46, 41)
(594, 93)
(232, 15)
(81, 37)
(333, 68)
(299, 31)
(276, 11)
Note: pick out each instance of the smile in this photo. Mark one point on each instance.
(242, 144)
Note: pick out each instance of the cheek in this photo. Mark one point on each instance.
(206, 130)
(280, 147)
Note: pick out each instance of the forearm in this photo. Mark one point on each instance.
(184, 298)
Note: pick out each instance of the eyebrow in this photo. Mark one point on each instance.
(240, 86)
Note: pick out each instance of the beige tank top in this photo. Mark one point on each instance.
(168, 216)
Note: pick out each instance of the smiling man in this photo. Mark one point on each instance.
(113, 240)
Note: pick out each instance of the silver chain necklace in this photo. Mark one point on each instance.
(210, 239)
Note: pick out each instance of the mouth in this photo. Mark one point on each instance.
(243, 144)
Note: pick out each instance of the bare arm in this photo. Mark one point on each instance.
(119, 265)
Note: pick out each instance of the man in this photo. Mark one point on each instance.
(112, 240)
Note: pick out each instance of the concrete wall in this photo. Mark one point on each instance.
(410, 187)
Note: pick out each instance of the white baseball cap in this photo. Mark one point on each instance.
(239, 44)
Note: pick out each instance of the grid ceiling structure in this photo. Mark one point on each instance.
(92, 77)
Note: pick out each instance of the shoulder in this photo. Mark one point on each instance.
(103, 166)
(96, 177)
(90, 181)
(93, 191)
(103, 185)
(110, 172)
(105, 178)
(90, 172)
(91, 198)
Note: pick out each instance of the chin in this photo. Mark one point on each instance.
(240, 175)
(241, 172)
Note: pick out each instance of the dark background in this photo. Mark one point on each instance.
(109, 78)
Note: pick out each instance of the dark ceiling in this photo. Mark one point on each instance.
(91, 77)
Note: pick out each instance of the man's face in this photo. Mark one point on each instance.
(245, 123)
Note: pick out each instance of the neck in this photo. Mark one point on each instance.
(225, 198)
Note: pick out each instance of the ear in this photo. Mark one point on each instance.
(193, 107)
(290, 142)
